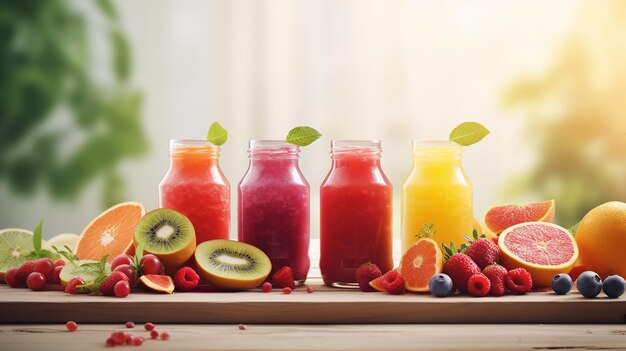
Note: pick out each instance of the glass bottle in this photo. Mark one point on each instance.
(195, 186)
(356, 213)
(274, 206)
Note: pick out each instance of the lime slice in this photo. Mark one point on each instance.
(88, 274)
(15, 246)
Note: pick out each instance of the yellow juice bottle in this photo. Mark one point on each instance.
(437, 192)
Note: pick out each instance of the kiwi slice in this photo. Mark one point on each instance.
(232, 265)
(168, 234)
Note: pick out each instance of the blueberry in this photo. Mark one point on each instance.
(614, 286)
(589, 284)
(562, 284)
(440, 285)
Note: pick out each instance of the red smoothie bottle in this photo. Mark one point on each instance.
(355, 213)
(195, 186)
(273, 206)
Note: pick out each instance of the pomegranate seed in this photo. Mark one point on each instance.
(71, 326)
(242, 327)
(138, 341)
(130, 325)
(149, 326)
(266, 287)
(165, 336)
(110, 342)
(287, 290)
(119, 338)
(129, 339)
(154, 334)
(310, 289)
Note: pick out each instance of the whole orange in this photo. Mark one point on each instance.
(601, 238)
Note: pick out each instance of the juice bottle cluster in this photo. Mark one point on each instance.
(273, 202)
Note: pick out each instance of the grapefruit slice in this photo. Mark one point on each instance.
(111, 233)
(420, 262)
(158, 283)
(543, 249)
(15, 246)
(499, 218)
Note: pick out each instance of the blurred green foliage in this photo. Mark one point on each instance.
(577, 116)
(45, 74)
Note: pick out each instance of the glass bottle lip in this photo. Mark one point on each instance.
(362, 148)
(191, 143)
(270, 144)
(196, 147)
(436, 148)
(272, 149)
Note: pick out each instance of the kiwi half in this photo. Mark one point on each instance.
(167, 234)
(232, 265)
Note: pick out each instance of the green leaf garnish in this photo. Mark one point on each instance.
(468, 133)
(302, 136)
(68, 254)
(427, 231)
(37, 238)
(217, 134)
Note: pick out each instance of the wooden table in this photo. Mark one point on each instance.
(329, 319)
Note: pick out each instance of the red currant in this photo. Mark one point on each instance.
(138, 340)
(148, 326)
(310, 289)
(165, 336)
(242, 327)
(36, 281)
(71, 287)
(287, 290)
(11, 278)
(121, 259)
(129, 339)
(44, 266)
(129, 325)
(154, 334)
(128, 271)
(150, 264)
(121, 288)
(59, 263)
(110, 342)
(71, 326)
(119, 337)
(266, 287)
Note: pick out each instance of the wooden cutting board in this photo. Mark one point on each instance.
(325, 305)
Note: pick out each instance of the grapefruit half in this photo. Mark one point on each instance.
(420, 262)
(543, 249)
(111, 233)
(499, 218)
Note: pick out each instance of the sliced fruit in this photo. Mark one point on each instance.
(87, 272)
(159, 283)
(61, 240)
(111, 233)
(15, 245)
(420, 262)
(168, 235)
(391, 282)
(499, 218)
(543, 249)
(232, 265)
(601, 238)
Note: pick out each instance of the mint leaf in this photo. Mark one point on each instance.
(217, 134)
(468, 133)
(37, 238)
(302, 136)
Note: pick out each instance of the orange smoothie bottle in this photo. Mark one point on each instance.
(437, 192)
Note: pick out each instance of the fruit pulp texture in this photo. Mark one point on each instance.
(196, 187)
(355, 219)
(438, 192)
(274, 213)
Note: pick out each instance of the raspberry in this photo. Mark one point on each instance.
(266, 287)
(483, 252)
(148, 326)
(71, 326)
(165, 336)
(154, 334)
(394, 283)
(519, 281)
(460, 267)
(107, 287)
(286, 290)
(478, 285)
(24, 271)
(365, 274)
(284, 278)
(497, 276)
(310, 289)
(186, 279)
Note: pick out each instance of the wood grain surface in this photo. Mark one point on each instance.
(326, 337)
(326, 305)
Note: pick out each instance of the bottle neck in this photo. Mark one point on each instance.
(356, 152)
(272, 150)
(194, 152)
(437, 153)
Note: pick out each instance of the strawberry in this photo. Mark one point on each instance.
(497, 277)
(186, 279)
(519, 281)
(284, 278)
(484, 252)
(365, 274)
(108, 284)
(24, 271)
(460, 267)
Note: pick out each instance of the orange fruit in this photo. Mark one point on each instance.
(601, 238)
(499, 218)
(111, 233)
(543, 249)
(419, 263)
